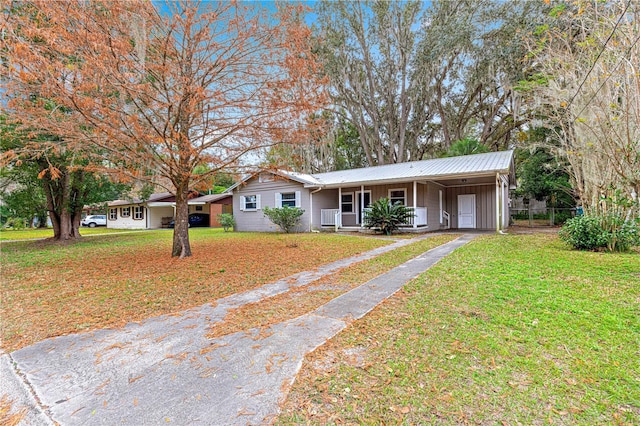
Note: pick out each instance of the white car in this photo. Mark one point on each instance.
(94, 220)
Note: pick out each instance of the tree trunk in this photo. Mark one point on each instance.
(181, 245)
(65, 216)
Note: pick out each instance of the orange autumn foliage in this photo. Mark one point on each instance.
(157, 93)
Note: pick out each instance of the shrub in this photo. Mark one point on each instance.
(227, 221)
(287, 218)
(620, 231)
(16, 223)
(583, 233)
(614, 225)
(387, 217)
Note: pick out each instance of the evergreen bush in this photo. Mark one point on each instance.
(227, 221)
(387, 217)
(287, 218)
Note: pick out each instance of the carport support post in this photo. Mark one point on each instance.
(361, 206)
(498, 202)
(339, 207)
(415, 203)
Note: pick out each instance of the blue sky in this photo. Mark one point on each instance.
(265, 4)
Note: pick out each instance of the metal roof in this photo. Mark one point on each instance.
(438, 168)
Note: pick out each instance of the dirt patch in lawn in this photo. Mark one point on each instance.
(108, 282)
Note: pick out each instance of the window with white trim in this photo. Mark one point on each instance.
(138, 213)
(250, 202)
(398, 195)
(347, 203)
(288, 199)
(125, 211)
(113, 214)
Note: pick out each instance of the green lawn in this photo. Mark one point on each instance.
(36, 233)
(507, 330)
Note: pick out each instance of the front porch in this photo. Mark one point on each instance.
(333, 218)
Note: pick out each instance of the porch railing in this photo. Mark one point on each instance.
(446, 218)
(419, 217)
(330, 217)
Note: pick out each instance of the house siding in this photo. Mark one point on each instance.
(485, 204)
(325, 199)
(256, 220)
(128, 222)
(431, 201)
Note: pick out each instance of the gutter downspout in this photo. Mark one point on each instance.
(311, 208)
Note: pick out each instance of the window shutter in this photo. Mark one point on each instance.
(243, 203)
(278, 200)
(258, 207)
(298, 201)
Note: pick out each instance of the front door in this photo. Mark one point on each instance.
(367, 201)
(467, 211)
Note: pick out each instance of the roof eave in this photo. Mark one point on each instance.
(411, 179)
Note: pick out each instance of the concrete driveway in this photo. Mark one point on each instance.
(166, 371)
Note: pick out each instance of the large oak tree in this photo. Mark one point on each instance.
(160, 93)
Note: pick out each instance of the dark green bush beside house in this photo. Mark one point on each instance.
(287, 218)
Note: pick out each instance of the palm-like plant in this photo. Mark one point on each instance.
(387, 217)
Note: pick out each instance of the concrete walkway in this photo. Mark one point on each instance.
(165, 371)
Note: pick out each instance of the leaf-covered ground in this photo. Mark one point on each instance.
(301, 300)
(506, 330)
(106, 281)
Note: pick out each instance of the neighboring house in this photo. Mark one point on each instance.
(467, 192)
(159, 210)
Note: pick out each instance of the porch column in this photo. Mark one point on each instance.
(310, 211)
(505, 214)
(339, 206)
(497, 202)
(361, 206)
(415, 203)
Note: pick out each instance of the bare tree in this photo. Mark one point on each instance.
(368, 52)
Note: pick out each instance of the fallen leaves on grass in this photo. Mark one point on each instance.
(110, 281)
(300, 300)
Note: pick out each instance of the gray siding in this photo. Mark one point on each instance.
(427, 196)
(432, 202)
(485, 204)
(256, 220)
(324, 199)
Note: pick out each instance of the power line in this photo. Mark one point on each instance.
(608, 76)
(615, 27)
